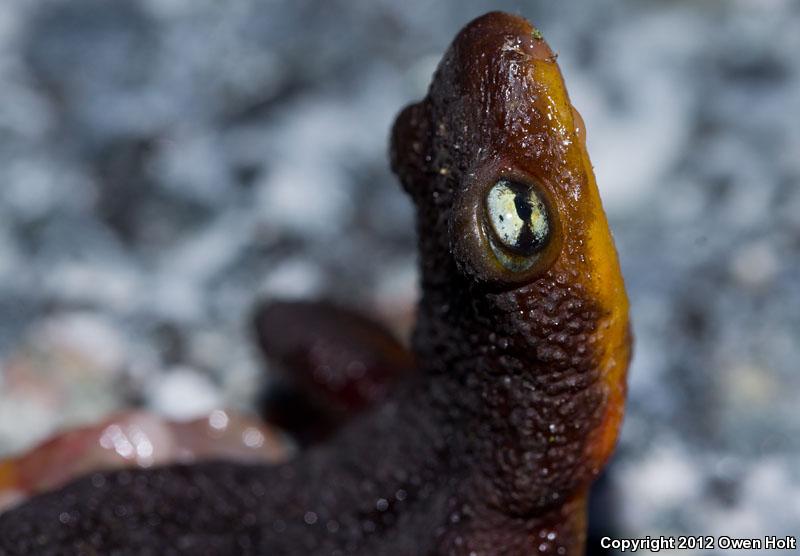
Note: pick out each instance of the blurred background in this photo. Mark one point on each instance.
(164, 164)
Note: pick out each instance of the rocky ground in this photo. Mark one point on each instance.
(165, 163)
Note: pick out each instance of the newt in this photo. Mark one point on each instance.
(522, 343)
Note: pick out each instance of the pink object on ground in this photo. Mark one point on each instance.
(138, 439)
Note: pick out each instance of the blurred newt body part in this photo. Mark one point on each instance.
(522, 344)
(334, 363)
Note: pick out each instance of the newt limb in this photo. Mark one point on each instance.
(332, 363)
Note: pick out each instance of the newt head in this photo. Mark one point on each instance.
(512, 230)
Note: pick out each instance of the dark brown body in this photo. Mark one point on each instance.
(491, 448)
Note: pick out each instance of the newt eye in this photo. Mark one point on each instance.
(519, 223)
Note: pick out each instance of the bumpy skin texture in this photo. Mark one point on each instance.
(490, 450)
